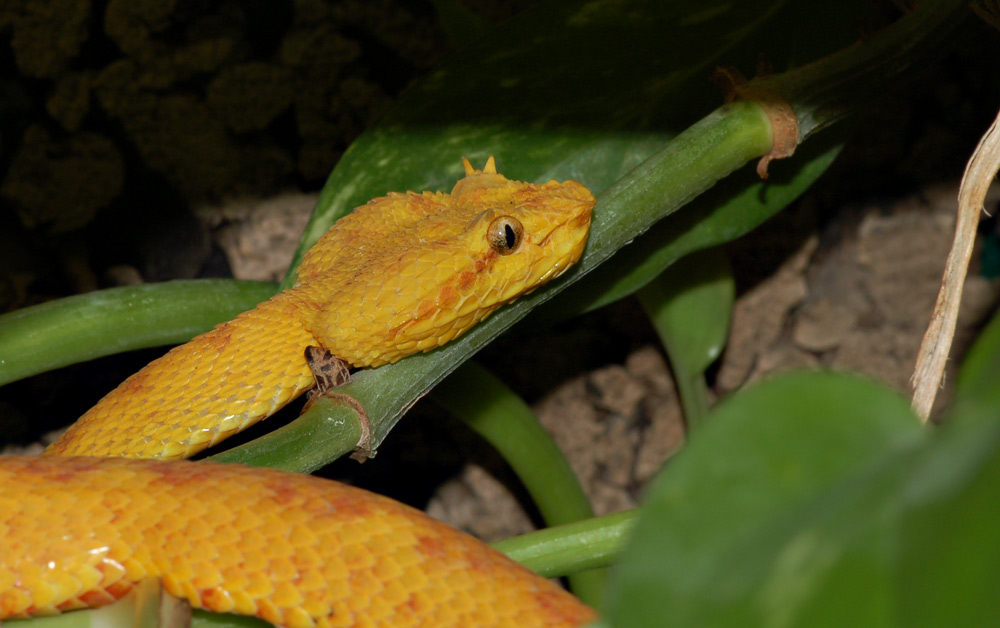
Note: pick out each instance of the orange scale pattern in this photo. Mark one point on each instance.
(208, 531)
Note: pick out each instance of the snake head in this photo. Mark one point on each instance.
(409, 272)
(527, 233)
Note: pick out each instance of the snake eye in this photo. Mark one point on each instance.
(504, 234)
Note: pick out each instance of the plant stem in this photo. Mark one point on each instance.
(573, 547)
(79, 328)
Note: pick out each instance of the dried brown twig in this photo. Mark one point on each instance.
(933, 356)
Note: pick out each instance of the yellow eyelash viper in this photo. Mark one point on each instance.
(401, 274)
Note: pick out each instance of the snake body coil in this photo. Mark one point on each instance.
(294, 550)
(402, 274)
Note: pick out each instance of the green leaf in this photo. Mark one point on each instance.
(950, 570)
(734, 533)
(570, 90)
(689, 305)
(815, 500)
(977, 391)
(949, 566)
(731, 209)
(462, 25)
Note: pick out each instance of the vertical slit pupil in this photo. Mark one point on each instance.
(510, 236)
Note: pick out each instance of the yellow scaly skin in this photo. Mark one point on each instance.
(402, 274)
(292, 549)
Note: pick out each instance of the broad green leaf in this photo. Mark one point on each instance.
(899, 531)
(949, 566)
(731, 533)
(908, 541)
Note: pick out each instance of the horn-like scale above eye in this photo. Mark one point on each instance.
(505, 234)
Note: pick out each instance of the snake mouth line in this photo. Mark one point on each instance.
(557, 269)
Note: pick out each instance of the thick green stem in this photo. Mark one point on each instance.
(573, 547)
(79, 328)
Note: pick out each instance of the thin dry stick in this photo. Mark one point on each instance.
(979, 174)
